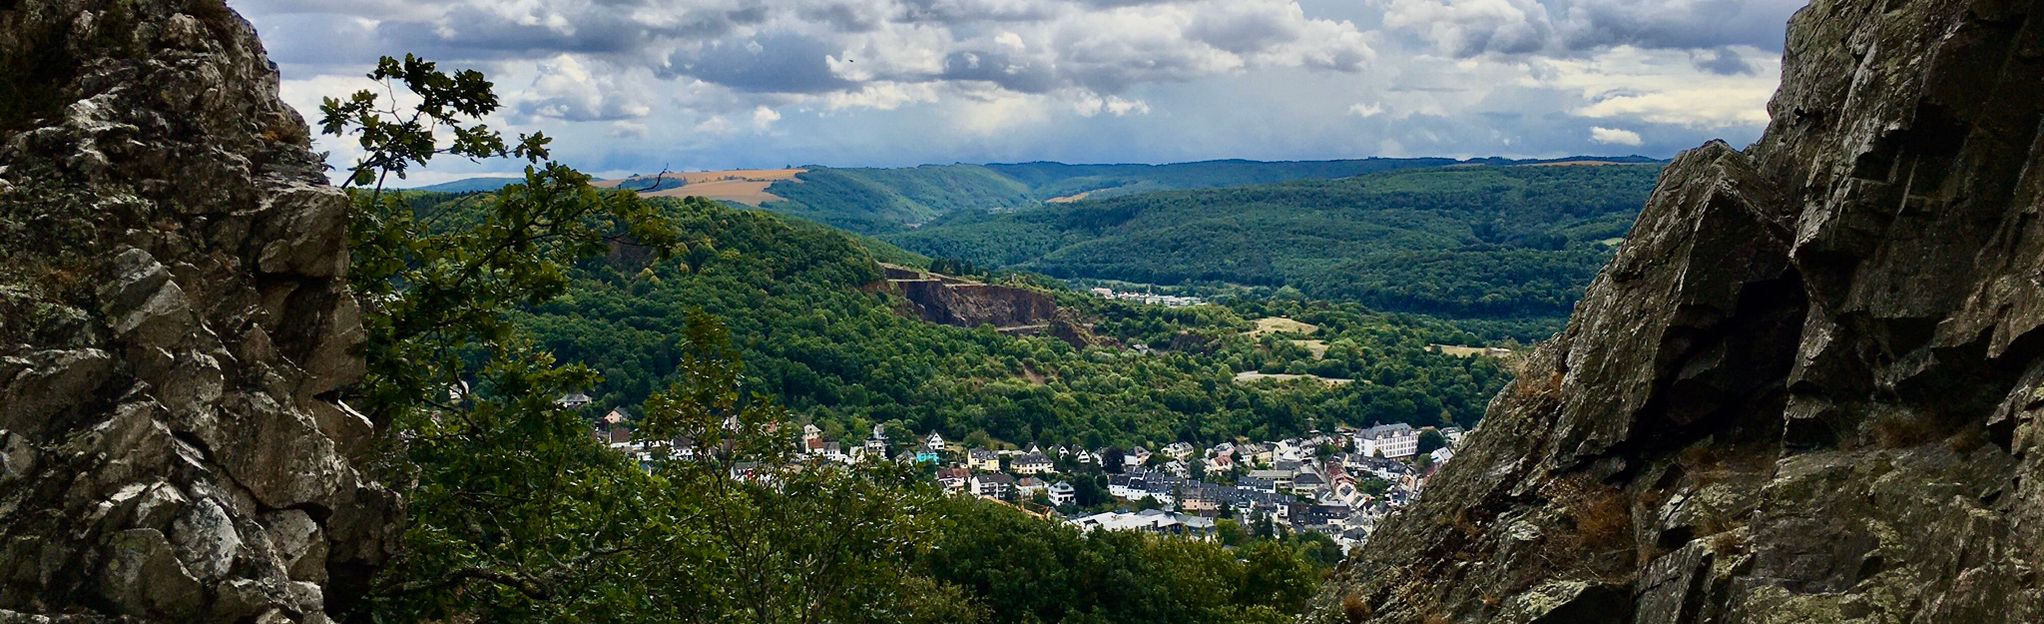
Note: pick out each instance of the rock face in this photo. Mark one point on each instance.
(952, 301)
(1808, 388)
(173, 323)
(973, 305)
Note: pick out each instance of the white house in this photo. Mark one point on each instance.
(1122, 486)
(1220, 463)
(994, 485)
(877, 445)
(1291, 450)
(1389, 441)
(954, 479)
(836, 452)
(1138, 456)
(573, 401)
(1062, 493)
(812, 440)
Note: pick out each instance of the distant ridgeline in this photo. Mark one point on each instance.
(820, 329)
(1485, 238)
(1461, 241)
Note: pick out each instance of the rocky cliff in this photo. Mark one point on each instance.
(173, 323)
(952, 301)
(1808, 387)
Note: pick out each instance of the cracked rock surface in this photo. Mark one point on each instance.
(173, 322)
(1808, 388)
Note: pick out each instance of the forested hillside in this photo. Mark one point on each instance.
(876, 200)
(796, 298)
(884, 200)
(1465, 241)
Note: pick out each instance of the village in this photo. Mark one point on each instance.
(1338, 484)
(1172, 301)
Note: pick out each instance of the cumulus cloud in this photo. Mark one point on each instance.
(764, 118)
(1677, 24)
(1663, 87)
(779, 62)
(624, 84)
(1088, 105)
(1470, 27)
(1722, 61)
(819, 46)
(568, 90)
(1613, 136)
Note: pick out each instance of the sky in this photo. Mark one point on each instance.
(645, 85)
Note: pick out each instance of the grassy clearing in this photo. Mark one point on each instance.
(1317, 347)
(1253, 377)
(745, 186)
(1468, 352)
(748, 192)
(1281, 325)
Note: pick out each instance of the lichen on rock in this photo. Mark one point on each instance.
(174, 319)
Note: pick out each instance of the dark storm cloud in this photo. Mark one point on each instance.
(772, 63)
(848, 17)
(782, 46)
(1678, 24)
(1244, 33)
(1000, 68)
(972, 11)
(470, 33)
(1465, 28)
(1722, 61)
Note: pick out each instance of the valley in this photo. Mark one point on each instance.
(251, 373)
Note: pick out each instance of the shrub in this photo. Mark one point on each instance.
(1353, 606)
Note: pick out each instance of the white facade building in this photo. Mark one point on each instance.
(1389, 441)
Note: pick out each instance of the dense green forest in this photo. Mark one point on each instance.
(797, 299)
(1465, 241)
(885, 200)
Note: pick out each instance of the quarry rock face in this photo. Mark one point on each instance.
(174, 321)
(1807, 389)
(952, 301)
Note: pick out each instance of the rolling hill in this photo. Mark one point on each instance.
(885, 200)
(876, 201)
(821, 331)
(1462, 241)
